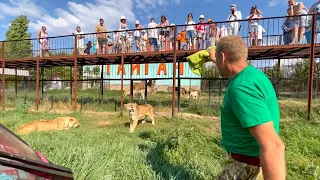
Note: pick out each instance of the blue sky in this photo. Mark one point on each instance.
(61, 17)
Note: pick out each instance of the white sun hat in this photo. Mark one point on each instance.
(137, 22)
(201, 16)
(122, 17)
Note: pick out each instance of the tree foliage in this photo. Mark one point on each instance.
(18, 46)
(301, 71)
(274, 72)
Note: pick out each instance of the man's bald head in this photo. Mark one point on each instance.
(233, 47)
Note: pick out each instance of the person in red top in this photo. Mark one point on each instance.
(201, 32)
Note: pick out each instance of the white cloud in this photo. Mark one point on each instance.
(1, 17)
(272, 3)
(85, 15)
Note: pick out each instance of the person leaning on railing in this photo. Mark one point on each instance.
(298, 22)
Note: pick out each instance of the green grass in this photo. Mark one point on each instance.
(172, 149)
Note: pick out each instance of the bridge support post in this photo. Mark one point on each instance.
(3, 79)
(75, 73)
(37, 84)
(121, 96)
(310, 83)
(174, 71)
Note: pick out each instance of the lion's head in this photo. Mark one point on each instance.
(71, 122)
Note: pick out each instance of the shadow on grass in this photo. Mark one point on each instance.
(158, 160)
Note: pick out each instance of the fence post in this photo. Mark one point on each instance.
(121, 96)
(174, 72)
(37, 85)
(3, 79)
(310, 83)
(75, 66)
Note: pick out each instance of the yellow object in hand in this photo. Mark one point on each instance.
(198, 59)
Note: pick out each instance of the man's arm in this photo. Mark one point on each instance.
(272, 151)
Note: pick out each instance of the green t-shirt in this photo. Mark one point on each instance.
(250, 100)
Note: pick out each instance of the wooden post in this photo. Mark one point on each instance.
(3, 79)
(121, 96)
(75, 77)
(70, 76)
(16, 83)
(37, 84)
(174, 72)
(179, 87)
(310, 85)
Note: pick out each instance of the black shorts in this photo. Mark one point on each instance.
(165, 33)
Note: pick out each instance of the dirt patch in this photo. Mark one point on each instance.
(168, 114)
(92, 114)
(212, 130)
(103, 124)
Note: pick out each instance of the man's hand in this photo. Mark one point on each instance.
(212, 54)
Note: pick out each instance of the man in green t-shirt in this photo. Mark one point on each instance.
(249, 116)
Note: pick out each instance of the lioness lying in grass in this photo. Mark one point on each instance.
(61, 123)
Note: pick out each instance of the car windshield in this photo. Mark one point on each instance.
(11, 144)
(19, 161)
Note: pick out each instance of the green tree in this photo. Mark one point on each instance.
(301, 71)
(18, 45)
(274, 72)
(210, 72)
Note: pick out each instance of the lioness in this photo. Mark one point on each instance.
(61, 123)
(140, 93)
(139, 112)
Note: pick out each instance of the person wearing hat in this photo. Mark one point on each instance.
(102, 37)
(201, 32)
(87, 50)
(123, 26)
(234, 26)
(213, 33)
(137, 35)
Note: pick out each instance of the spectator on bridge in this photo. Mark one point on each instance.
(287, 31)
(213, 33)
(80, 40)
(102, 37)
(137, 35)
(42, 36)
(190, 30)
(164, 32)
(255, 14)
(143, 41)
(87, 50)
(201, 32)
(94, 48)
(261, 31)
(110, 45)
(129, 41)
(299, 22)
(315, 8)
(153, 35)
(234, 25)
(223, 31)
(123, 26)
(182, 39)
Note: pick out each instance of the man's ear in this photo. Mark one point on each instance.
(223, 57)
